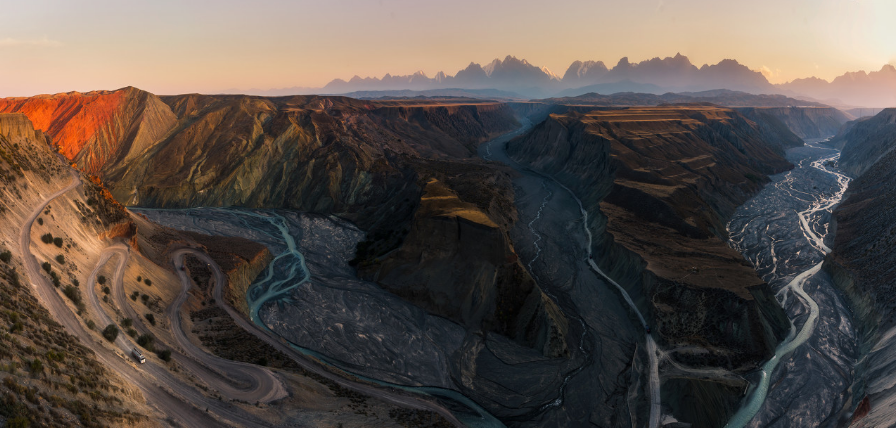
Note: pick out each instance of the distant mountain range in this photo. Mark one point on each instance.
(861, 89)
(512, 78)
(674, 74)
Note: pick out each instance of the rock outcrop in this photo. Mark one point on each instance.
(866, 142)
(458, 263)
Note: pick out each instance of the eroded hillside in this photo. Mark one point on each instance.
(862, 260)
(659, 184)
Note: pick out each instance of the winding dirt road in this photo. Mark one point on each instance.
(257, 384)
(179, 402)
(174, 402)
(389, 395)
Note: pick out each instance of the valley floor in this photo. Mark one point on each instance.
(785, 232)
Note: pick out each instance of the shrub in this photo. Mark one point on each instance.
(139, 278)
(165, 355)
(47, 238)
(106, 290)
(132, 332)
(127, 322)
(57, 242)
(6, 256)
(110, 332)
(91, 201)
(60, 259)
(76, 282)
(135, 295)
(151, 318)
(55, 277)
(40, 221)
(18, 422)
(146, 341)
(73, 294)
(147, 282)
(17, 326)
(106, 299)
(144, 298)
(36, 366)
(46, 266)
(101, 279)
(91, 325)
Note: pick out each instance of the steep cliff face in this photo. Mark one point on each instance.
(659, 183)
(805, 122)
(458, 263)
(838, 140)
(862, 267)
(97, 128)
(867, 142)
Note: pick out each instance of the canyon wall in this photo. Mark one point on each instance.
(659, 184)
(805, 122)
(866, 142)
(861, 264)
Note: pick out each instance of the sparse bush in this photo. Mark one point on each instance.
(147, 282)
(60, 259)
(135, 295)
(127, 322)
(106, 299)
(73, 294)
(151, 318)
(18, 422)
(76, 282)
(46, 266)
(17, 326)
(40, 221)
(146, 341)
(55, 277)
(132, 332)
(110, 332)
(6, 256)
(91, 325)
(144, 298)
(139, 278)
(36, 366)
(47, 238)
(106, 290)
(165, 355)
(57, 242)
(101, 279)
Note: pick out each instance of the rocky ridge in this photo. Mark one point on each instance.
(862, 260)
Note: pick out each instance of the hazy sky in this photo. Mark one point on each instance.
(183, 46)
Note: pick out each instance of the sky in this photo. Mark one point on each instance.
(171, 47)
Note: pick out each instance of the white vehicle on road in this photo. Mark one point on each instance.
(138, 356)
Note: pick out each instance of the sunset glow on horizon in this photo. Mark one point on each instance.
(167, 47)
